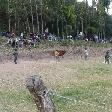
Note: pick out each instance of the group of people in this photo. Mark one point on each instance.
(61, 53)
(22, 41)
(33, 38)
(107, 55)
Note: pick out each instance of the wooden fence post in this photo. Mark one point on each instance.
(40, 94)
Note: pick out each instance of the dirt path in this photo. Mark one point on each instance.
(53, 73)
(15, 75)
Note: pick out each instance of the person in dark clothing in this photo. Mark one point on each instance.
(13, 44)
(15, 54)
(107, 57)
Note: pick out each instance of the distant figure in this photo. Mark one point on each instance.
(86, 40)
(96, 38)
(15, 54)
(0, 57)
(31, 35)
(86, 53)
(9, 40)
(12, 35)
(107, 57)
(21, 35)
(13, 44)
(56, 55)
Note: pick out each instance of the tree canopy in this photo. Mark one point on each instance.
(61, 17)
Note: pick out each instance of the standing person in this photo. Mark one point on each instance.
(86, 53)
(0, 57)
(96, 38)
(31, 35)
(13, 44)
(21, 36)
(12, 35)
(9, 37)
(56, 53)
(107, 57)
(15, 55)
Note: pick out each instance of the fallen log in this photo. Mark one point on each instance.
(40, 94)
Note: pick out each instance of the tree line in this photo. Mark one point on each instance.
(61, 17)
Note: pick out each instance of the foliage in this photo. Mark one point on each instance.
(56, 15)
(91, 30)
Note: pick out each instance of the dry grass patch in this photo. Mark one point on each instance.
(89, 81)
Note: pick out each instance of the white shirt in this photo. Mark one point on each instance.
(86, 52)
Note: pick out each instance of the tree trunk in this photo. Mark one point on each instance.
(66, 29)
(33, 29)
(9, 24)
(18, 24)
(57, 27)
(28, 25)
(9, 20)
(38, 29)
(42, 17)
(15, 25)
(62, 30)
(82, 22)
(40, 94)
(52, 26)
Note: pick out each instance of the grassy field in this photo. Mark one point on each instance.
(87, 85)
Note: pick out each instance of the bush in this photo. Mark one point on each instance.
(66, 42)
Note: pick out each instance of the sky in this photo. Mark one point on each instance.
(90, 2)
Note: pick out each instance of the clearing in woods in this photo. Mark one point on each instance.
(87, 85)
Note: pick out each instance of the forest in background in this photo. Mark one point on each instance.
(61, 17)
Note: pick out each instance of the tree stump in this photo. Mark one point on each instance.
(40, 94)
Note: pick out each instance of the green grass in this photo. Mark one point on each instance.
(87, 82)
(94, 97)
(16, 101)
(97, 95)
(76, 43)
(2, 40)
(97, 68)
